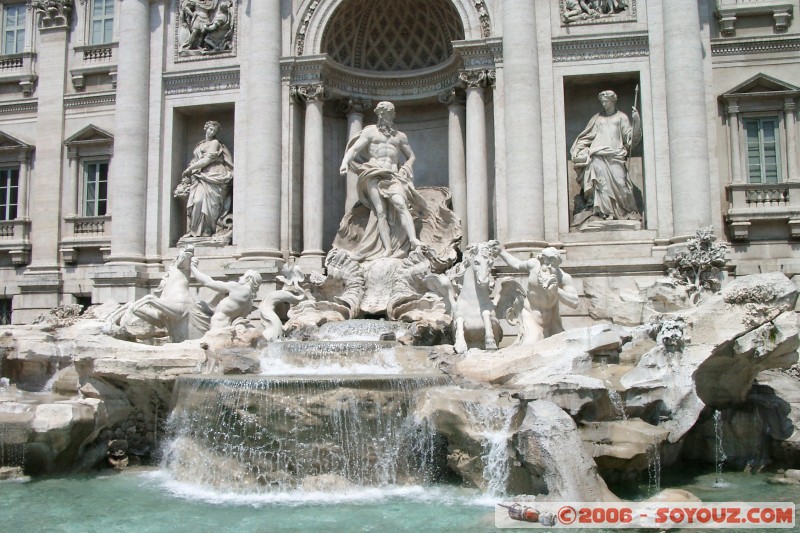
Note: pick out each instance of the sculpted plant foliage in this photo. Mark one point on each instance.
(698, 267)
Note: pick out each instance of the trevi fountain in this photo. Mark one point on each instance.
(406, 386)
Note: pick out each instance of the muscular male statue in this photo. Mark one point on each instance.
(385, 186)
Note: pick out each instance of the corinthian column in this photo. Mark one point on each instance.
(313, 176)
(477, 172)
(523, 118)
(686, 117)
(128, 182)
(354, 108)
(261, 80)
(456, 163)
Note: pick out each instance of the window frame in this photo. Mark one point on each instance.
(780, 138)
(104, 39)
(5, 203)
(6, 311)
(24, 28)
(85, 163)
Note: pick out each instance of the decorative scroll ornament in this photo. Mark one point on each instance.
(483, 14)
(312, 93)
(54, 13)
(355, 105)
(474, 79)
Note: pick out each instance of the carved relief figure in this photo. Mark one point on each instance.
(206, 186)
(385, 186)
(600, 154)
(238, 300)
(575, 10)
(537, 311)
(209, 24)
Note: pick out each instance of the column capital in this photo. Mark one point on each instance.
(475, 79)
(732, 107)
(453, 97)
(355, 105)
(54, 13)
(312, 93)
(789, 104)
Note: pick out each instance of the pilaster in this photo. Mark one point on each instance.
(128, 186)
(686, 112)
(523, 118)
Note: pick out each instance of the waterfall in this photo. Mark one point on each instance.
(330, 357)
(13, 444)
(654, 468)
(618, 404)
(271, 434)
(719, 450)
(493, 424)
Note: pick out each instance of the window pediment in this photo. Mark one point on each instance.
(90, 138)
(12, 147)
(762, 85)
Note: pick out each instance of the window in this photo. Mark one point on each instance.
(14, 28)
(5, 311)
(95, 188)
(9, 193)
(102, 21)
(763, 150)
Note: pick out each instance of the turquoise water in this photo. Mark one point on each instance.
(148, 501)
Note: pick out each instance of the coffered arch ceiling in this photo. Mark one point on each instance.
(396, 36)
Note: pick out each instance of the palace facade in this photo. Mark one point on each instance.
(103, 104)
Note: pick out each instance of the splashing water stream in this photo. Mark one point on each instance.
(493, 424)
(719, 449)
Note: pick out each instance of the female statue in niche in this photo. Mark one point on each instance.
(600, 154)
(206, 186)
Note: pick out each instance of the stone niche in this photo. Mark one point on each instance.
(425, 124)
(187, 131)
(581, 104)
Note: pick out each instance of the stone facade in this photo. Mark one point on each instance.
(103, 101)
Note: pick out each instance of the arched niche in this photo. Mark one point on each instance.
(315, 15)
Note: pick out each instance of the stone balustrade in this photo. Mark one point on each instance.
(15, 240)
(759, 203)
(85, 233)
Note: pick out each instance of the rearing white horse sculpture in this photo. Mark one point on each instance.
(467, 291)
(171, 308)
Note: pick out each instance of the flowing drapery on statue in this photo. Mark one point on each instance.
(206, 185)
(600, 154)
(388, 184)
(391, 217)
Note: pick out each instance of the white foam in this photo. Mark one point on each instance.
(274, 365)
(353, 495)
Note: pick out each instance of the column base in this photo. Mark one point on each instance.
(312, 260)
(125, 259)
(122, 282)
(525, 246)
(40, 291)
